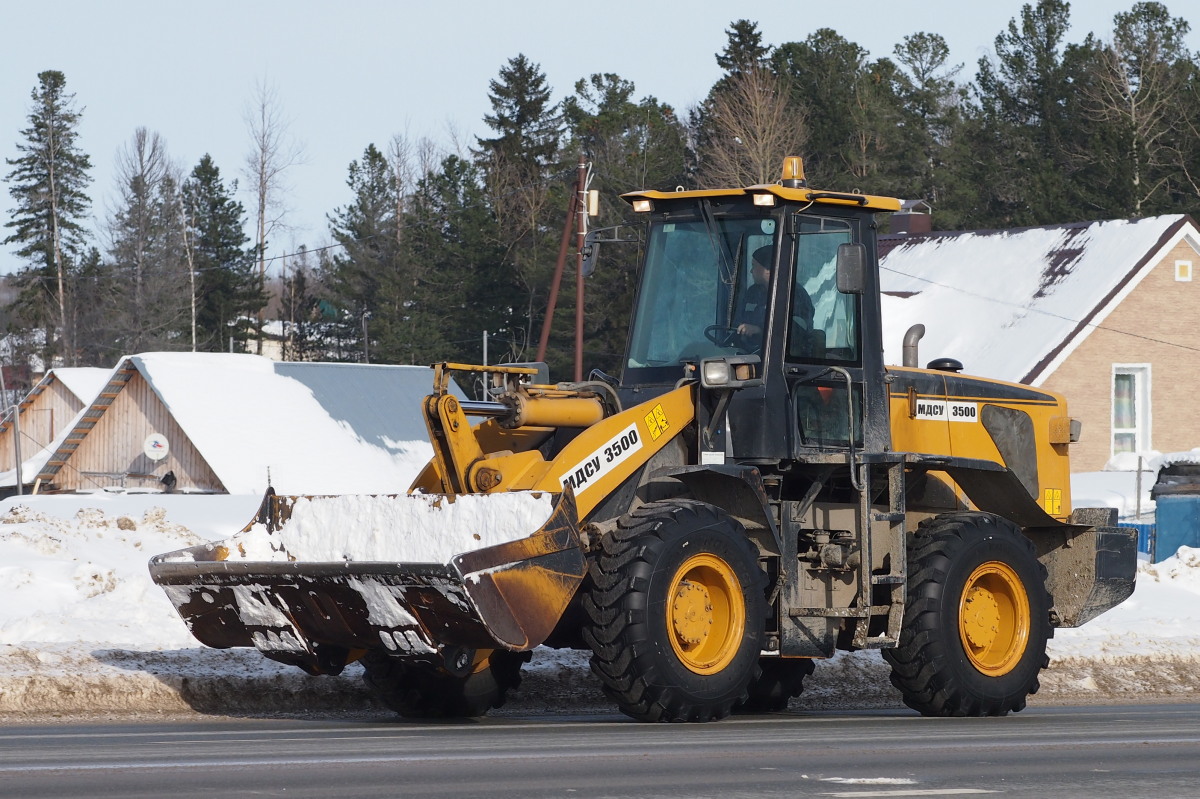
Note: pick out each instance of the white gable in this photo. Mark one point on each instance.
(1003, 302)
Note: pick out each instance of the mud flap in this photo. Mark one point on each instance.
(313, 614)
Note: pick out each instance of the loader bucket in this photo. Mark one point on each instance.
(313, 579)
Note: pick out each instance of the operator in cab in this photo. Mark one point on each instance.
(753, 316)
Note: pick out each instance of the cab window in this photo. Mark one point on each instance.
(824, 323)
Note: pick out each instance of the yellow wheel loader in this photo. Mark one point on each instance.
(757, 491)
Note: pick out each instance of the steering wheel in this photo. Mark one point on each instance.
(721, 335)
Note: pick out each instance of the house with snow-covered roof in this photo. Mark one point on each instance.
(229, 423)
(1102, 312)
(34, 425)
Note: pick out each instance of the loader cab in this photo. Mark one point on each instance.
(819, 352)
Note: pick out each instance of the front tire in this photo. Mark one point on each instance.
(419, 690)
(677, 613)
(977, 618)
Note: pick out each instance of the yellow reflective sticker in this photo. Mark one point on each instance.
(1053, 501)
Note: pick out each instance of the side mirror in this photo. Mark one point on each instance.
(591, 251)
(851, 268)
(591, 246)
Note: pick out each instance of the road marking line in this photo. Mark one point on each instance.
(921, 792)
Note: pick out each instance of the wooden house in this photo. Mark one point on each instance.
(41, 417)
(221, 423)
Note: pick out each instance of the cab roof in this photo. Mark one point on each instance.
(803, 194)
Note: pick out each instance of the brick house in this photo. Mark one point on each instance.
(1105, 313)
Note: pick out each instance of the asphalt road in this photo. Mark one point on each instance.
(1065, 753)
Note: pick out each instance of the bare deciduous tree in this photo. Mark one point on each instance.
(408, 162)
(147, 300)
(519, 197)
(753, 127)
(273, 151)
(1139, 88)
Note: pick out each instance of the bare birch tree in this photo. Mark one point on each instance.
(147, 304)
(1139, 88)
(273, 151)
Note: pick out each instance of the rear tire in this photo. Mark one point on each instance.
(677, 612)
(780, 681)
(419, 690)
(977, 618)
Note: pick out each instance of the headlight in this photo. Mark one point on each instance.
(714, 373)
(733, 371)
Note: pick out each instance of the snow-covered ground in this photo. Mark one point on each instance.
(83, 628)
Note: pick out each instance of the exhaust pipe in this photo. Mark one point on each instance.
(911, 337)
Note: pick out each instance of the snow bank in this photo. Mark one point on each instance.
(1162, 618)
(82, 627)
(73, 569)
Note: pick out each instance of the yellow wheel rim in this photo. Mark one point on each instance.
(706, 614)
(993, 618)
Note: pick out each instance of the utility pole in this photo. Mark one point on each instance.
(580, 235)
(577, 219)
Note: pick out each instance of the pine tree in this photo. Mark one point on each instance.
(824, 73)
(369, 259)
(525, 123)
(932, 102)
(48, 182)
(744, 49)
(228, 290)
(1020, 147)
(92, 282)
(526, 186)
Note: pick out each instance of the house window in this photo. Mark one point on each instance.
(1183, 271)
(1130, 408)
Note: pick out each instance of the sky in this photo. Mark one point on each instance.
(354, 73)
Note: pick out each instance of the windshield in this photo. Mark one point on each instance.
(701, 295)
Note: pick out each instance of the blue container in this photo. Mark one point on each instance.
(1145, 533)
(1177, 523)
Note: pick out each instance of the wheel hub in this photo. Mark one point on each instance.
(705, 613)
(994, 619)
(981, 618)
(691, 613)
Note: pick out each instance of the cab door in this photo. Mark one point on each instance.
(824, 349)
